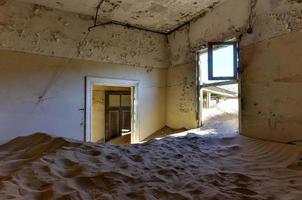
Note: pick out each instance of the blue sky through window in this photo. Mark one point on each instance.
(223, 62)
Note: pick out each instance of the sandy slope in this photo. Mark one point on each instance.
(211, 163)
(189, 167)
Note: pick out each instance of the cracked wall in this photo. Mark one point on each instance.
(34, 82)
(45, 55)
(40, 30)
(26, 108)
(163, 16)
(268, 18)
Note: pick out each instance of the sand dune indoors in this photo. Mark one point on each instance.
(188, 167)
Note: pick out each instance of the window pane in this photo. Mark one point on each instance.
(223, 61)
(114, 101)
(126, 100)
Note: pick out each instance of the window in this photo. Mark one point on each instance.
(223, 61)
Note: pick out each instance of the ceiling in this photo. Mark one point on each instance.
(156, 15)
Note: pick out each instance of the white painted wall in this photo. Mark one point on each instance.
(24, 77)
(56, 59)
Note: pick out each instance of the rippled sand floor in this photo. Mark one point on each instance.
(184, 167)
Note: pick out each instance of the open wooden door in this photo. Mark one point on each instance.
(117, 113)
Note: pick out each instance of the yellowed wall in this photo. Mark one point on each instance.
(98, 111)
(228, 20)
(26, 77)
(98, 116)
(181, 97)
(271, 89)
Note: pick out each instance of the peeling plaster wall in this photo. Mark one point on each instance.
(181, 98)
(271, 93)
(163, 15)
(181, 83)
(40, 30)
(269, 19)
(43, 88)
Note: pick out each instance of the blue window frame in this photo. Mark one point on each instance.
(223, 60)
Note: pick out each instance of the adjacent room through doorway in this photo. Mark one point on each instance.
(111, 113)
(111, 110)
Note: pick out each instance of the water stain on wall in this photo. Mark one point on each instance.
(186, 99)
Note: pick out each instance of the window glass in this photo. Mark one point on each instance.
(114, 101)
(126, 100)
(223, 61)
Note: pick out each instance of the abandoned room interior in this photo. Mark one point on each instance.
(149, 99)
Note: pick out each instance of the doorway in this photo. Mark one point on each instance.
(111, 109)
(118, 114)
(219, 88)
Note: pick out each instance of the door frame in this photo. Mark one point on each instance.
(90, 81)
(199, 88)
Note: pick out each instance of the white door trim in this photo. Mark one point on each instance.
(90, 82)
